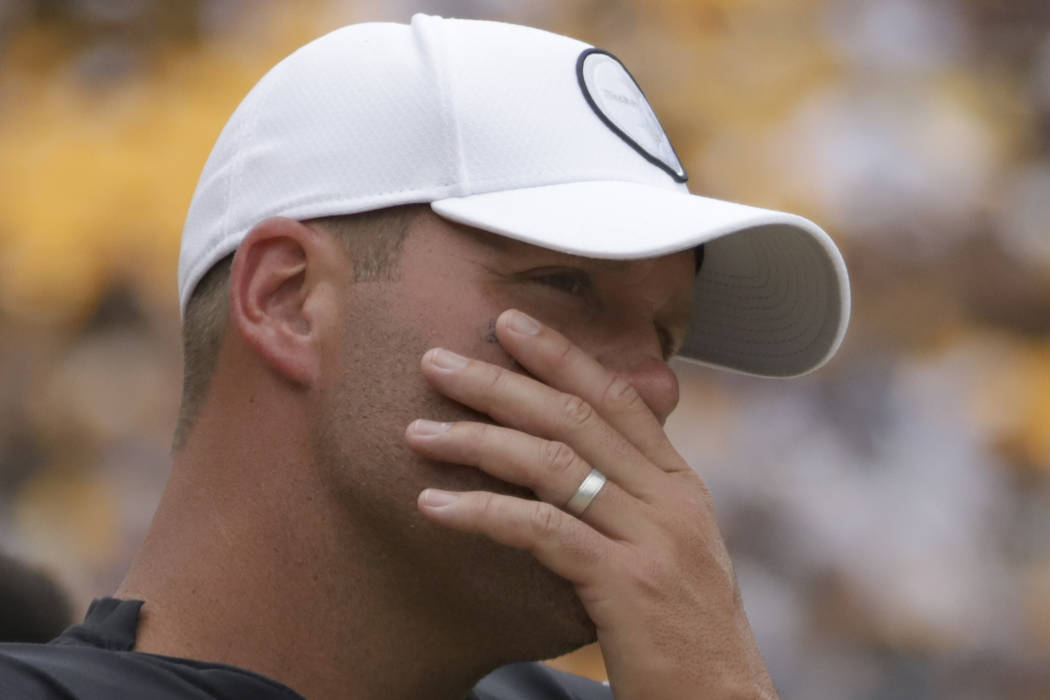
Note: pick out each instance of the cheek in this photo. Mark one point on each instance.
(460, 318)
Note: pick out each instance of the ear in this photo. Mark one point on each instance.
(278, 296)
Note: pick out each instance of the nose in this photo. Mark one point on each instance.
(655, 383)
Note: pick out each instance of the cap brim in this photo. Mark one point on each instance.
(772, 296)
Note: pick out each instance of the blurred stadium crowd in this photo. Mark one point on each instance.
(889, 516)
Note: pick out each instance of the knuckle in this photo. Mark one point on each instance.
(488, 506)
(558, 456)
(649, 574)
(544, 520)
(577, 411)
(480, 435)
(620, 394)
(492, 510)
(480, 432)
(497, 376)
(697, 495)
(688, 508)
(563, 351)
(654, 577)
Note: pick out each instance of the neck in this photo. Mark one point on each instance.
(251, 563)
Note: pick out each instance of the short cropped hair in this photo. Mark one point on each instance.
(373, 240)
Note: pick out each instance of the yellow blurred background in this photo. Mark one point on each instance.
(889, 516)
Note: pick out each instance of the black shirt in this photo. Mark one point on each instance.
(94, 661)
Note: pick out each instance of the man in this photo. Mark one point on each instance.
(421, 432)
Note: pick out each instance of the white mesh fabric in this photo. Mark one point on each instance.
(487, 122)
(523, 120)
(313, 138)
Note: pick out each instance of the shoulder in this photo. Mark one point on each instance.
(535, 681)
(67, 671)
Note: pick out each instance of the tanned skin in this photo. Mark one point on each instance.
(314, 531)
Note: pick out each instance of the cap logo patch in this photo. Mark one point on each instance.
(615, 97)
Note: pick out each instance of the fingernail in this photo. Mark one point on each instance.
(428, 427)
(446, 359)
(523, 323)
(435, 498)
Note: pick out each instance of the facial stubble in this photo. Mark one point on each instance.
(501, 600)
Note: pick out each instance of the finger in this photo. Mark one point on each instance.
(550, 468)
(557, 361)
(565, 545)
(524, 403)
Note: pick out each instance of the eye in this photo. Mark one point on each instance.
(574, 282)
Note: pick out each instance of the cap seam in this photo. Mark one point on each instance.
(433, 49)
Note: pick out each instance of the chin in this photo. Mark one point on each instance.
(523, 610)
(498, 604)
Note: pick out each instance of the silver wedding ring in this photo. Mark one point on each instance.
(585, 493)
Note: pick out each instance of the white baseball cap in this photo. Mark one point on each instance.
(529, 135)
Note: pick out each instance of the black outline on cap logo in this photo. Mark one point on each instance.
(617, 130)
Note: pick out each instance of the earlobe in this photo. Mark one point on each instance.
(273, 277)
